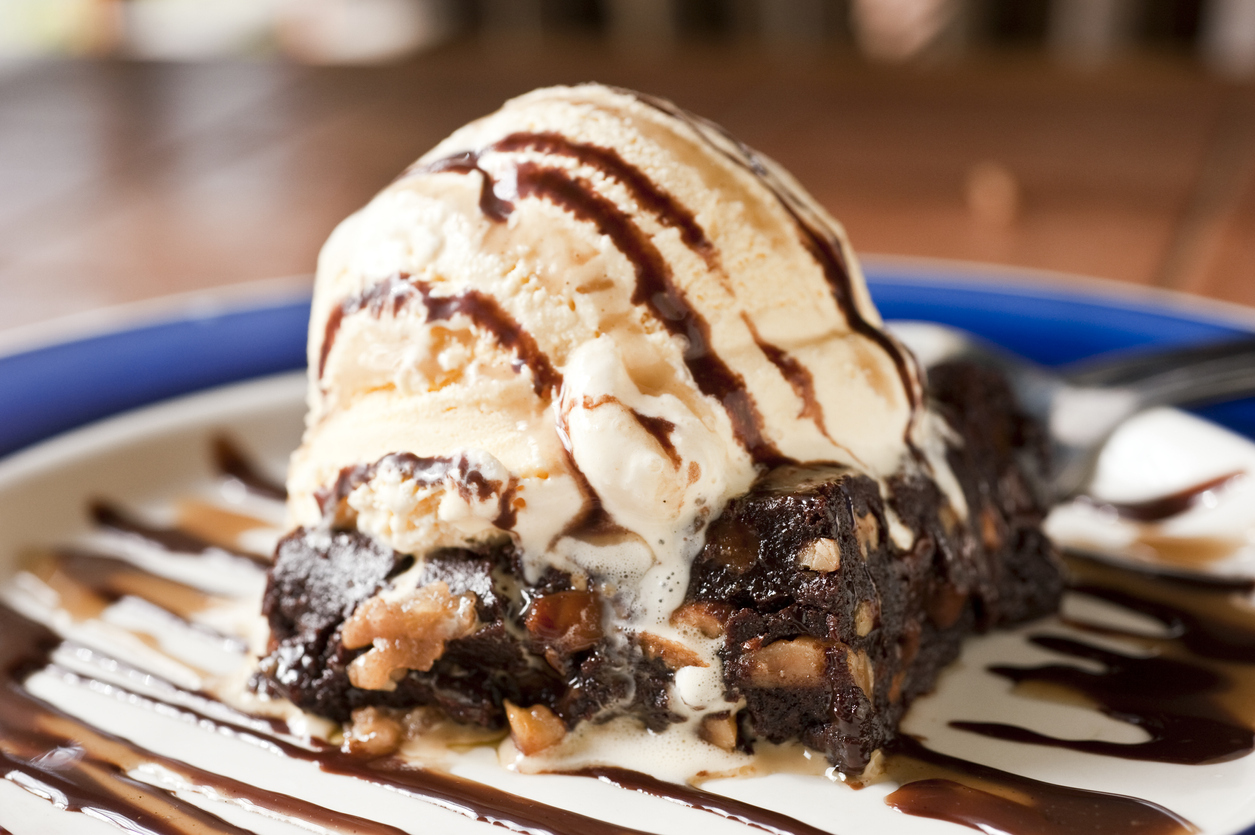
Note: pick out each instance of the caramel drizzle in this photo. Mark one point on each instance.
(44, 749)
(89, 582)
(1172, 700)
(51, 753)
(947, 795)
(91, 772)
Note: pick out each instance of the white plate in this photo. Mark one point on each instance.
(146, 458)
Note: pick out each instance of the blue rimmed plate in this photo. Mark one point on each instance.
(59, 386)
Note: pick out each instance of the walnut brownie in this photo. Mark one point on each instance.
(837, 603)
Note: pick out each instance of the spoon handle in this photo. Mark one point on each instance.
(1196, 374)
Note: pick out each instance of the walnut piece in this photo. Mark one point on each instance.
(732, 544)
(861, 671)
(673, 654)
(864, 618)
(565, 621)
(374, 732)
(405, 634)
(820, 555)
(867, 531)
(798, 662)
(704, 616)
(533, 728)
(719, 729)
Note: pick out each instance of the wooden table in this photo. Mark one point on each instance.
(126, 181)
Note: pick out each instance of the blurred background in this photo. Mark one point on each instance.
(149, 147)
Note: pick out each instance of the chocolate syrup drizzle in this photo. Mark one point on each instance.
(1210, 629)
(656, 289)
(230, 460)
(106, 580)
(798, 376)
(179, 541)
(393, 294)
(644, 191)
(42, 746)
(1165, 507)
(820, 240)
(1171, 700)
(468, 480)
(50, 748)
(655, 285)
(490, 204)
(1179, 577)
(660, 429)
(1176, 695)
(694, 798)
(990, 800)
(50, 753)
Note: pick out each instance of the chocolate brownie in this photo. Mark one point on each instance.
(838, 602)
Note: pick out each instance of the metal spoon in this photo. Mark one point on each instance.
(1082, 404)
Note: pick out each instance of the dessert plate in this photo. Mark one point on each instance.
(148, 457)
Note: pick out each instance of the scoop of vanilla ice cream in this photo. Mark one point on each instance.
(585, 322)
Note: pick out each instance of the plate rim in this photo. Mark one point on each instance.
(877, 267)
(1000, 278)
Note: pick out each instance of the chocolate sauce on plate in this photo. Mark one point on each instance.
(1165, 507)
(694, 798)
(110, 517)
(990, 800)
(1194, 694)
(230, 460)
(48, 749)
